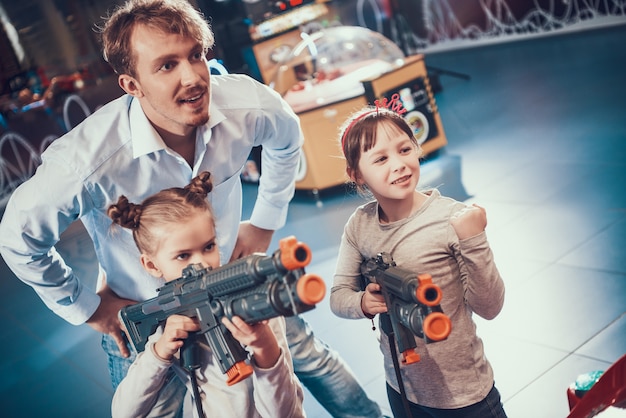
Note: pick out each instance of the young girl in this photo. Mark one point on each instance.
(425, 233)
(172, 229)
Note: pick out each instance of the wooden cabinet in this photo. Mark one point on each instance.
(322, 163)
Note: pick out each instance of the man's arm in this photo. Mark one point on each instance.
(106, 321)
(281, 139)
(39, 211)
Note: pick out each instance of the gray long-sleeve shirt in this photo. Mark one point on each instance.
(451, 373)
(268, 393)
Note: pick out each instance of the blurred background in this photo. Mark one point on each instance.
(520, 106)
(52, 73)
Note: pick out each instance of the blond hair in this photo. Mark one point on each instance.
(169, 16)
(169, 206)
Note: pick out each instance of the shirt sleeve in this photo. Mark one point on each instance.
(346, 292)
(138, 392)
(287, 400)
(281, 138)
(35, 217)
(484, 287)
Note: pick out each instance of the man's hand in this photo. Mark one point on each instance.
(105, 319)
(251, 239)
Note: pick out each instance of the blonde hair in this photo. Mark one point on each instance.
(169, 16)
(168, 206)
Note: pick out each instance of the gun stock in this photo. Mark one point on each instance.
(255, 288)
(413, 305)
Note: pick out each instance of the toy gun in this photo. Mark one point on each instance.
(255, 288)
(412, 305)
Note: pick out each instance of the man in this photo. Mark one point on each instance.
(175, 121)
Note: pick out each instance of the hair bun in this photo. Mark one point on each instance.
(201, 184)
(124, 213)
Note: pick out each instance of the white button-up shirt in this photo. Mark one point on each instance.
(116, 151)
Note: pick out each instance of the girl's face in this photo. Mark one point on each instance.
(189, 242)
(390, 169)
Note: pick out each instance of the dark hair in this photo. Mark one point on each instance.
(358, 133)
(169, 16)
(171, 205)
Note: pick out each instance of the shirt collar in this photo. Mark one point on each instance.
(205, 132)
(216, 114)
(147, 140)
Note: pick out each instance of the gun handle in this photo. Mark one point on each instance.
(403, 338)
(410, 356)
(189, 353)
(240, 371)
(229, 353)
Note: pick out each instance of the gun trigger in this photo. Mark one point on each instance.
(410, 357)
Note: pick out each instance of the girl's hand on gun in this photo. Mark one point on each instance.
(177, 328)
(372, 301)
(469, 221)
(258, 337)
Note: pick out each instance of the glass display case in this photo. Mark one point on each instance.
(329, 65)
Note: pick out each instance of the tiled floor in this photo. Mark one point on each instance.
(539, 134)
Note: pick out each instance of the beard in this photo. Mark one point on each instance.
(199, 119)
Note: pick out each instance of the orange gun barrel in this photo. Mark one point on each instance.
(437, 326)
(427, 293)
(311, 289)
(293, 253)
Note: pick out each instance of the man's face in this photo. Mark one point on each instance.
(172, 80)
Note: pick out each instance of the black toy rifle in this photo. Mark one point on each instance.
(255, 288)
(412, 305)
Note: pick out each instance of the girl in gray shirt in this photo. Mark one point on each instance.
(172, 229)
(424, 232)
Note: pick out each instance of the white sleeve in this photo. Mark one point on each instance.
(139, 390)
(34, 219)
(281, 138)
(277, 390)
